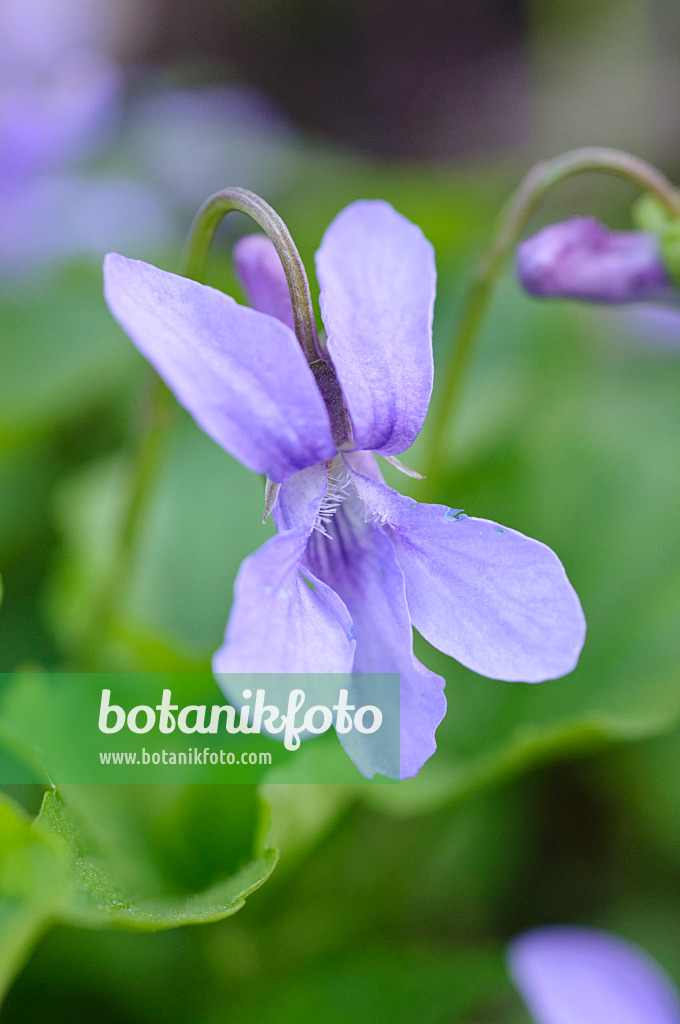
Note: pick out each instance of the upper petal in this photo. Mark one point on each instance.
(582, 259)
(570, 975)
(377, 277)
(493, 599)
(241, 374)
(259, 270)
(281, 621)
(358, 560)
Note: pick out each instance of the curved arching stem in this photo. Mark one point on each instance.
(201, 237)
(202, 234)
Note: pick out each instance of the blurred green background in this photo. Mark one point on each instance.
(555, 803)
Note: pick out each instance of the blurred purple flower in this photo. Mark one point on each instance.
(59, 90)
(354, 564)
(50, 122)
(570, 975)
(582, 259)
(60, 99)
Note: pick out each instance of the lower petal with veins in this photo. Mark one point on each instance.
(358, 560)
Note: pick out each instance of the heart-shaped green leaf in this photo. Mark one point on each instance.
(152, 857)
(33, 875)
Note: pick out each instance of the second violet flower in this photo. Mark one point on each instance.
(573, 975)
(354, 564)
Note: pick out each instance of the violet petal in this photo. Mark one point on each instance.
(279, 623)
(377, 277)
(493, 599)
(570, 975)
(358, 561)
(241, 374)
(259, 270)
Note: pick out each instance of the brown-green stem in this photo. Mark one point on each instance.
(201, 237)
(202, 234)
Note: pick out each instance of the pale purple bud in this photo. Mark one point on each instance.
(582, 259)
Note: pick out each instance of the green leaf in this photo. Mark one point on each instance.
(647, 782)
(155, 857)
(302, 813)
(32, 886)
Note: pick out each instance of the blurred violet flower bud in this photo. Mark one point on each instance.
(354, 564)
(572, 975)
(582, 259)
(48, 123)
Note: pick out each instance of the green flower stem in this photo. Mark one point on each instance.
(201, 237)
(543, 177)
(155, 413)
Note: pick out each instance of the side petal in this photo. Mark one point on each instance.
(377, 277)
(240, 374)
(493, 599)
(259, 270)
(282, 621)
(358, 560)
(300, 499)
(570, 975)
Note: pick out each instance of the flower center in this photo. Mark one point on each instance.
(340, 486)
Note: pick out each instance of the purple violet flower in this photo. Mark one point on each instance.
(60, 92)
(582, 259)
(354, 564)
(60, 99)
(570, 975)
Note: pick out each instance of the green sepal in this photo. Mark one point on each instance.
(651, 215)
(670, 251)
